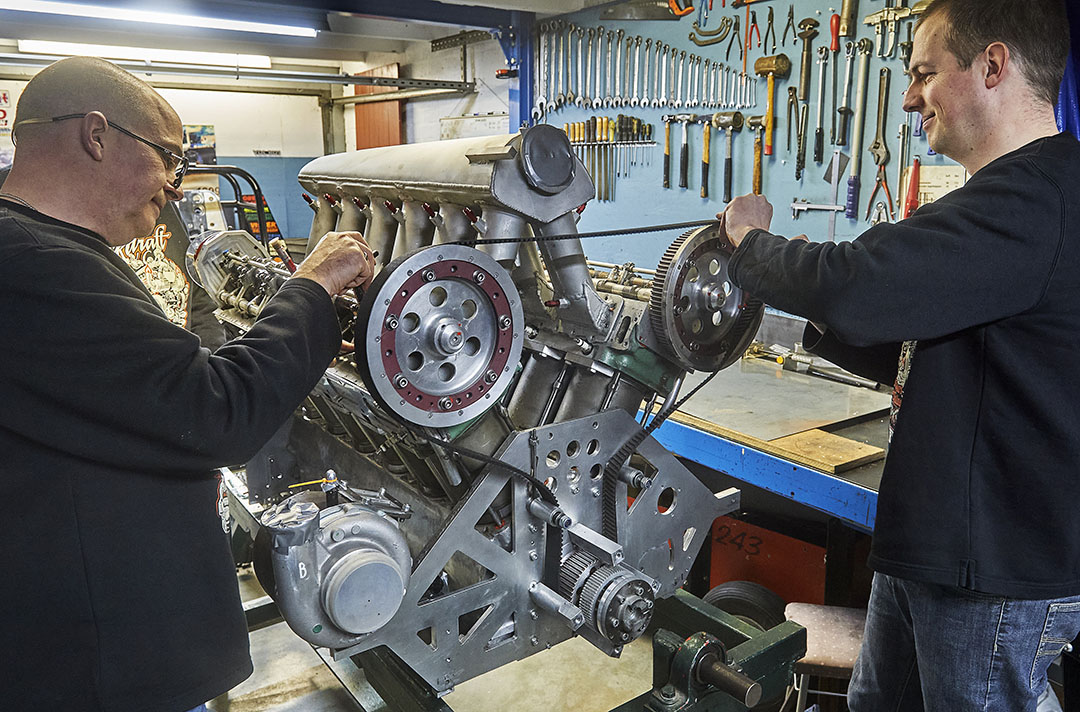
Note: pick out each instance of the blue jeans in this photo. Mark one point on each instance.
(946, 649)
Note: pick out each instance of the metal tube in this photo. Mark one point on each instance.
(502, 224)
(455, 226)
(419, 230)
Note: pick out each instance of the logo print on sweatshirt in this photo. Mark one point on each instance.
(161, 276)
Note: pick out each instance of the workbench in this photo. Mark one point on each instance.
(734, 425)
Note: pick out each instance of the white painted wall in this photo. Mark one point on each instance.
(422, 115)
(244, 123)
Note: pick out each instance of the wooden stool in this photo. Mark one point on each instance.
(833, 638)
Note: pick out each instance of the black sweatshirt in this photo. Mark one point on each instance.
(981, 487)
(117, 586)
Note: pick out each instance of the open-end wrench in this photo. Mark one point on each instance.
(634, 101)
(581, 85)
(660, 83)
(699, 94)
(557, 96)
(705, 71)
(540, 107)
(571, 30)
(691, 61)
(656, 74)
(878, 149)
(672, 66)
(624, 94)
(616, 95)
(679, 73)
(645, 75)
(598, 86)
(587, 86)
(610, 76)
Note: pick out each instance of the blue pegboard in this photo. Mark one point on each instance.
(640, 198)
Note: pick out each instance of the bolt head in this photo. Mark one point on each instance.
(490, 377)
(505, 322)
(479, 277)
(446, 403)
(535, 641)
(400, 381)
(391, 322)
(429, 276)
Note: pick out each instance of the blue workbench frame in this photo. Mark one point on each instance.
(854, 504)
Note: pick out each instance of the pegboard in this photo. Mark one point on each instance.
(639, 197)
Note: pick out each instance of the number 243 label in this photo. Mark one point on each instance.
(746, 543)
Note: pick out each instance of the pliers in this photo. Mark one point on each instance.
(790, 24)
(677, 11)
(735, 36)
(752, 29)
(770, 30)
(881, 181)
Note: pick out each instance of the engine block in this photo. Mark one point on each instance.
(484, 487)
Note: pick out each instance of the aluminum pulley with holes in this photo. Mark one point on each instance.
(705, 320)
(443, 335)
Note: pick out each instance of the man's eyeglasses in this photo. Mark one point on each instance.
(174, 163)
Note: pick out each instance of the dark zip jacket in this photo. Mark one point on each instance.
(117, 586)
(981, 487)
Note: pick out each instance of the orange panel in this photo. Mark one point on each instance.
(792, 568)
(379, 124)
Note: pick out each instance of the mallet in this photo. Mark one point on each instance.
(777, 65)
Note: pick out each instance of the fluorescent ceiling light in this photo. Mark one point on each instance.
(146, 54)
(156, 18)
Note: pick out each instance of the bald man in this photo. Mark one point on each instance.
(117, 585)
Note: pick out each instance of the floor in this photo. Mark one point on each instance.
(291, 677)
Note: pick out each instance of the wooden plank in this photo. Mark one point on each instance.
(839, 452)
(794, 450)
(379, 124)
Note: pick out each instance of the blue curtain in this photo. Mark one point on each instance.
(1068, 107)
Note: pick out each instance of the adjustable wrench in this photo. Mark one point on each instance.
(878, 149)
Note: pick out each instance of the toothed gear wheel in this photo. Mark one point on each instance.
(704, 320)
(594, 586)
(573, 572)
